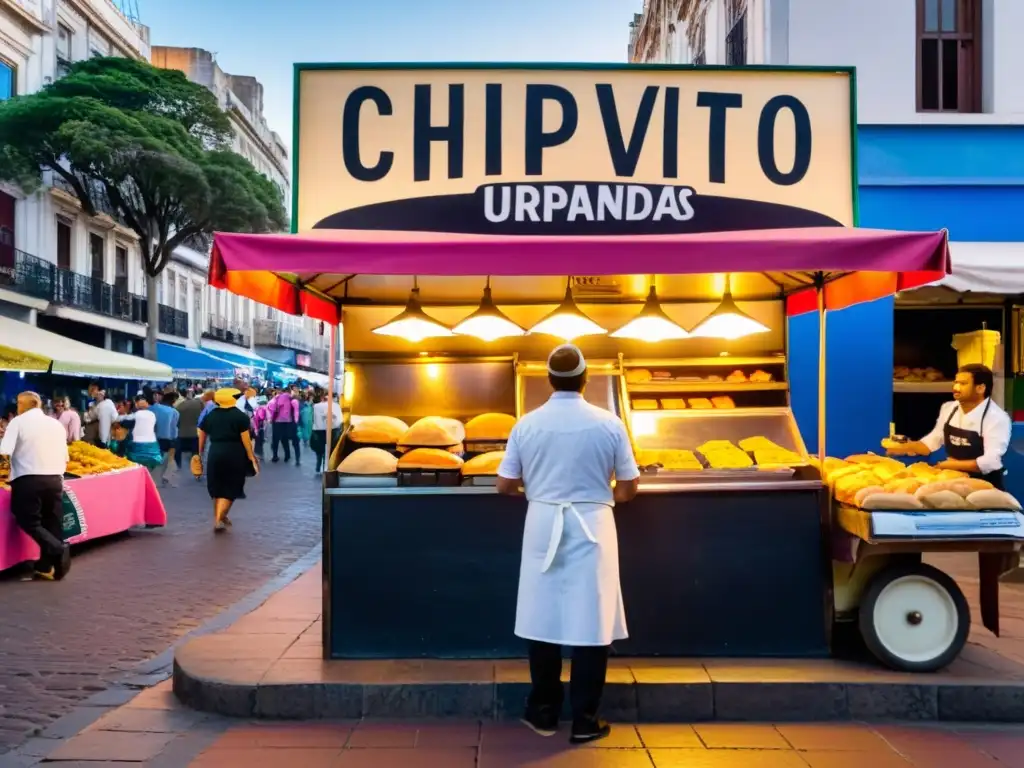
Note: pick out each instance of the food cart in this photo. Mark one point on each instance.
(719, 556)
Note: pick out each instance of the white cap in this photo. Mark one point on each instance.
(580, 368)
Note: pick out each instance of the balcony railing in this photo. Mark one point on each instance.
(97, 194)
(218, 328)
(173, 321)
(31, 276)
(274, 333)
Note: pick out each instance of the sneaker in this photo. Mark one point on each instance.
(65, 562)
(584, 731)
(541, 720)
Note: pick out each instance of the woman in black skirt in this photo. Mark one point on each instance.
(231, 458)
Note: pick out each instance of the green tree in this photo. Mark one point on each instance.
(145, 143)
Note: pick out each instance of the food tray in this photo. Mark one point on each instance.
(367, 481)
(485, 446)
(447, 478)
(480, 480)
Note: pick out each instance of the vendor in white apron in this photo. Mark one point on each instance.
(974, 431)
(564, 456)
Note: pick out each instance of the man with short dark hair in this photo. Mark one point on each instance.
(38, 449)
(974, 431)
(563, 456)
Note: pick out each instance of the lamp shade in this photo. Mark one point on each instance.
(413, 324)
(567, 321)
(488, 322)
(728, 321)
(652, 324)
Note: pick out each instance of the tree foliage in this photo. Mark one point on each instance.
(145, 142)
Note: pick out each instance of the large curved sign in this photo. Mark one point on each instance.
(573, 150)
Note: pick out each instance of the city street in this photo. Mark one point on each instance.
(128, 599)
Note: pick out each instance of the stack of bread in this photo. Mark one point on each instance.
(877, 482)
(378, 430)
(368, 461)
(434, 432)
(490, 426)
(722, 454)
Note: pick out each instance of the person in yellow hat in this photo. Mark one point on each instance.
(231, 459)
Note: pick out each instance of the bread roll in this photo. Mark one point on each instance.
(376, 429)
(993, 499)
(645, 405)
(864, 493)
(429, 458)
(922, 469)
(933, 487)
(891, 471)
(895, 501)
(673, 403)
(904, 485)
(433, 430)
(846, 487)
(831, 465)
(723, 401)
(737, 377)
(864, 458)
(490, 426)
(700, 403)
(976, 484)
(945, 500)
(484, 464)
(362, 434)
(637, 376)
(368, 461)
(950, 474)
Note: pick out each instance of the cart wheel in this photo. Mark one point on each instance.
(914, 618)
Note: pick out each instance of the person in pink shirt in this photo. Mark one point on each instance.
(283, 412)
(69, 418)
(259, 421)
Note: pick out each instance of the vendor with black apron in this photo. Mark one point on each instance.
(974, 431)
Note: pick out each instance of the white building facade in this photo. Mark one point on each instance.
(229, 319)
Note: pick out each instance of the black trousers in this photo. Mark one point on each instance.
(589, 668)
(287, 433)
(36, 503)
(186, 445)
(318, 442)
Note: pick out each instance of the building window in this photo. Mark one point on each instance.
(121, 267)
(96, 256)
(63, 244)
(949, 55)
(736, 37)
(64, 38)
(182, 294)
(8, 80)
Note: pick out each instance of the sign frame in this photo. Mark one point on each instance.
(301, 67)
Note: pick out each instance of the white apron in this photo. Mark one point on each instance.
(569, 591)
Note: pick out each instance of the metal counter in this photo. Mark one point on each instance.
(424, 572)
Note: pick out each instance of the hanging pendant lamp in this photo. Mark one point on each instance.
(652, 324)
(488, 322)
(728, 321)
(413, 324)
(567, 321)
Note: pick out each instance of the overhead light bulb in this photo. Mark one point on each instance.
(488, 322)
(652, 324)
(413, 324)
(728, 321)
(567, 321)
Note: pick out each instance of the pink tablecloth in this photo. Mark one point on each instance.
(111, 503)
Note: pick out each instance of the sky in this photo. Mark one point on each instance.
(264, 38)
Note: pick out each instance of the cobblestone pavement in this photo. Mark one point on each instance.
(127, 599)
(155, 731)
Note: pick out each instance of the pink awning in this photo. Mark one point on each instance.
(252, 265)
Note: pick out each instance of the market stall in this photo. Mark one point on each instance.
(104, 496)
(451, 298)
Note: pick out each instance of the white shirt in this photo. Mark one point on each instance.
(995, 432)
(106, 415)
(144, 430)
(320, 416)
(568, 450)
(37, 445)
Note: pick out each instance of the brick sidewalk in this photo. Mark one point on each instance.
(155, 731)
